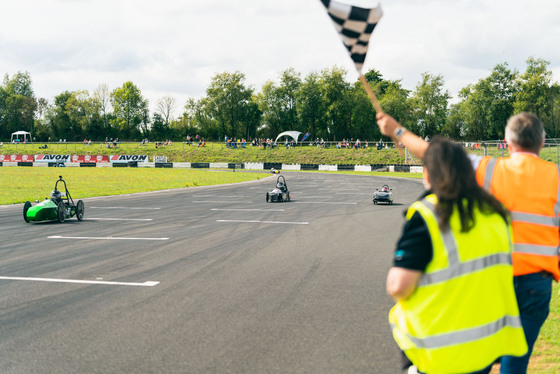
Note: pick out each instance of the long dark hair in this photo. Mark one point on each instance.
(453, 181)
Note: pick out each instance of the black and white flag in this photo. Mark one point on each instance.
(355, 25)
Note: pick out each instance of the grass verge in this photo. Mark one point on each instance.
(22, 184)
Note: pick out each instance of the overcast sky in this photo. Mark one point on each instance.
(174, 47)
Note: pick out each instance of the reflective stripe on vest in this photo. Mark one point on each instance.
(531, 218)
(465, 336)
(489, 173)
(457, 268)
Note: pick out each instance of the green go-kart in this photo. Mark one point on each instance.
(58, 207)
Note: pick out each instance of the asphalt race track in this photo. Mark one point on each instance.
(206, 280)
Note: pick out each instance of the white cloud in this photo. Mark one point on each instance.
(174, 47)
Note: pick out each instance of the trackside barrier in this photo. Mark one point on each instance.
(309, 167)
(328, 168)
(272, 165)
(234, 166)
(167, 165)
(291, 167)
(362, 168)
(254, 166)
(219, 165)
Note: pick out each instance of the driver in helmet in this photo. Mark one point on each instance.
(385, 189)
(56, 196)
(280, 186)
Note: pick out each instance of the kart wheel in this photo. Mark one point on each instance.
(288, 198)
(61, 212)
(80, 210)
(374, 202)
(267, 197)
(26, 207)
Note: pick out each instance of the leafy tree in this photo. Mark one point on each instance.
(487, 105)
(41, 128)
(58, 117)
(253, 116)
(84, 112)
(226, 103)
(429, 104)
(363, 115)
(164, 107)
(131, 111)
(537, 94)
(290, 81)
(160, 130)
(311, 106)
(17, 104)
(455, 126)
(162, 118)
(336, 92)
(102, 95)
(394, 100)
(278, 104)
(270, 104)
(501, 88)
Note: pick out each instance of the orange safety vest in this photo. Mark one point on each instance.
(529, 187)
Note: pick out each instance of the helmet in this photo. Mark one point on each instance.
(280, 185)
(56, 196)
(385, 189)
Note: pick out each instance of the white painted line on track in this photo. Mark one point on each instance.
(324, 202)
(275, 222)
(221, 202)
(120, 207)
(144, 284)
(118, 219)
(101, 238)
(251, 210)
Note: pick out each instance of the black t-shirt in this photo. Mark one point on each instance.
(414, 248)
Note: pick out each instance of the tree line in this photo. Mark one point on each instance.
(322, 103)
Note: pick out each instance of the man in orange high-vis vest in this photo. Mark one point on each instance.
(530, 188)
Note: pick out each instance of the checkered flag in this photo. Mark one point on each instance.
(355, 25)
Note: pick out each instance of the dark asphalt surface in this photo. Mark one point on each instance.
(238, 285)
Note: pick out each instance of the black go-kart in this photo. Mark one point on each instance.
(385, 195)
(280, 193)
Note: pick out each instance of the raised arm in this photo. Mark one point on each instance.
(390, 127)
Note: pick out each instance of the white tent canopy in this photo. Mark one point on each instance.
(26, 136)
(294, 134)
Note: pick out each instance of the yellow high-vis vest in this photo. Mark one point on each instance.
(463, 314)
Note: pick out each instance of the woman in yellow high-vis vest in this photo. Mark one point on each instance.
(452, 277)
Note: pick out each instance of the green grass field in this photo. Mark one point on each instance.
(546, 355)
(25, 183)
(21, 184)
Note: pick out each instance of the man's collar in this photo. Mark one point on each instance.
(520, 153)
